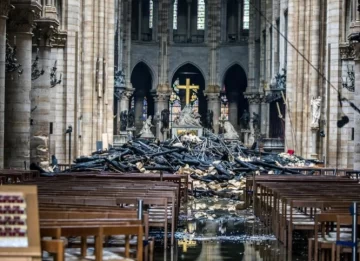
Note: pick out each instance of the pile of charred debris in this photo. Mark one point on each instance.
(217, 166)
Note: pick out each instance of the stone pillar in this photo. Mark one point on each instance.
(124, 100)
(17, 91)
(138, 105)
(357, 115)
(224, 20)
(214, 34)
(161, 103)
(127, 43)
(254, 100)
(265, 115)
(188, 27)
(5, 8)
(139, 19)
(314, 76)
(213, 100)
(233, 109)
(40, 95)
(163, 86)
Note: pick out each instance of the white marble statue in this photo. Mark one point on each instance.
(230, 132)
(188, 118)
(315, 110)
(146, 129)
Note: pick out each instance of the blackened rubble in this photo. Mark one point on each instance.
(217, 166)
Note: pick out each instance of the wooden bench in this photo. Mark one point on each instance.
(290, 203)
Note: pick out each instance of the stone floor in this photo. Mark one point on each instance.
(213, 230)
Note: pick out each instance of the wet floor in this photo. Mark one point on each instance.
(214, 230)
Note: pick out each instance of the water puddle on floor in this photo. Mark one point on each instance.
(216, 229)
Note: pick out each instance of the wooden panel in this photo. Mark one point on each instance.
(33, 251)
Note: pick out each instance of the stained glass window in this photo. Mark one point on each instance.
(151, 13)
(201, 15)
(145, 107)
(175, 14)
(246, 14)
(174, 102)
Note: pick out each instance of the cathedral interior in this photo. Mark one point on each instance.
(282, 73)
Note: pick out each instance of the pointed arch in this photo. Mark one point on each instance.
(184, 63)
(151, 70)
(223, 74)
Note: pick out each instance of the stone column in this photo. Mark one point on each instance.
(163, 86)
(161, 103)
(314, 76)
(138, 105)
(233, 109)
(139, 19)
(213, 100)
(254, 100)
(17, 91)
(40, 94)
(188, 27)
(224, 20)
(357, 115)
(265, 115)
(127, 43)
(214, 35)
(124, 100)
(4, 10)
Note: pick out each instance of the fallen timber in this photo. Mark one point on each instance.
(215, 166)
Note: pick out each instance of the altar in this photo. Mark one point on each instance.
(178, 131)
(189, 120)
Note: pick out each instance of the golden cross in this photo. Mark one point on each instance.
(187, 89)
(185, 243)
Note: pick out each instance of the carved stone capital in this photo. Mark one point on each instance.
(22, 18)
(45, 31)
(60, 39)
(163, 88)
(347, 51)
(254, 97)
(123, 93)
(212, 97)
(161, 97)
(5, 7)
(213, 89)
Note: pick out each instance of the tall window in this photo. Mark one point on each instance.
(246, 14)
(175, 14)
(151, 13)
(201, 14)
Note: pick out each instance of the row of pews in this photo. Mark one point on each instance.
(316, 205)
(87, 210)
